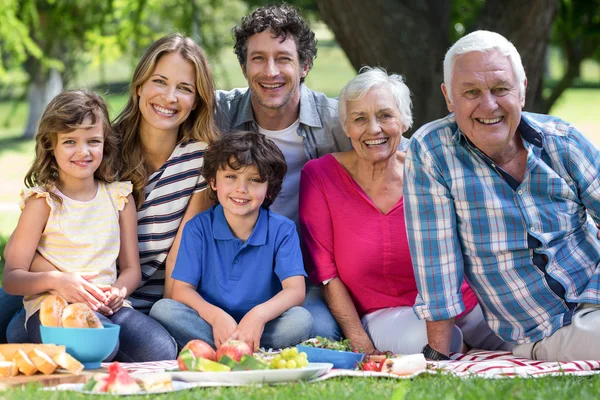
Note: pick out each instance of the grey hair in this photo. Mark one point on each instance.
(484, 41)
(368, 78)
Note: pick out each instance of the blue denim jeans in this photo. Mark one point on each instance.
(184, 324)
(141, 338)
(9, 306)
(325, 324)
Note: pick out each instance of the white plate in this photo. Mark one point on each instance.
(77, 387)
(312, 370)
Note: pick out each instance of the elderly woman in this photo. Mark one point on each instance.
(352, 218)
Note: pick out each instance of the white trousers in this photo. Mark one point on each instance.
(399, 330)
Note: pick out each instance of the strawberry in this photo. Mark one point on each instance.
(368, 365)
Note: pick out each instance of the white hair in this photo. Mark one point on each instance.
(369, 78)
(484, 41)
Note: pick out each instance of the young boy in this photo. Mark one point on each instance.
(239, 272)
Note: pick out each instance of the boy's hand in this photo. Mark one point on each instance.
(250, 329)
(223, 328)
(114, 299)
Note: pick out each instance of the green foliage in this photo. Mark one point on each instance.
(67, 34)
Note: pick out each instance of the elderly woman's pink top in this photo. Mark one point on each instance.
(345, 235)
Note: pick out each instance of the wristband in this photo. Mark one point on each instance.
(432, 354)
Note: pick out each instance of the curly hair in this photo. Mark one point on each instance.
(66, 113)
(200, 125)
(282, 20)
(241, 149)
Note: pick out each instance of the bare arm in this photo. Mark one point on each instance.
(130, 273)
(17, 278)
(252, 325)
(341, 306)
(439, 335)
(198, 203)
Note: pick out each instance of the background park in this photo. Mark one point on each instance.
(46, 45)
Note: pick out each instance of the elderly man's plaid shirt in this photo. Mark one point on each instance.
(464, 220)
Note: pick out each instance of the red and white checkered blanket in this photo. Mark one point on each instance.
(476, 363)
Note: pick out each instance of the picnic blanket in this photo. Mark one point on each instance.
(476, 363)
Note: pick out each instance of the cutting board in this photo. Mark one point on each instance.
(47, 380)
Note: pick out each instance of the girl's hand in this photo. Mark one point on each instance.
(114, 298)
(250, 330)
(76, 288)
(223, 328)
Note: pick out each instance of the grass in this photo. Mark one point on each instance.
(422, 387)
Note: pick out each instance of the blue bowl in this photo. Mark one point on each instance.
(89, 346)
(339, 359)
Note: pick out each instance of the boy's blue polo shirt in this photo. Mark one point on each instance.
(234, 275)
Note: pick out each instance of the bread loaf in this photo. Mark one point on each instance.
(66, 361)
(51, 310)
(24, 363)
(79, 315)
(8, 369)
(8, 351)
(42, 361)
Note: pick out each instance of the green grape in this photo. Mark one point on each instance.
(276, 357)
(303, 355)
(285, 353)
(301, 362)
(281, 364)
(291, 364)
(294, 351)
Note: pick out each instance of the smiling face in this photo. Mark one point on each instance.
(241, 192)
(168, 97)
(78, 154)
(486, 100)
(273, 71)
(374, 125)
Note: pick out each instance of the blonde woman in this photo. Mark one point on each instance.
(164, 129)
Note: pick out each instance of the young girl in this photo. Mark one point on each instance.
(78, 218)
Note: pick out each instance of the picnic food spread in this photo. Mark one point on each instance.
(235, 355)
(118, 381)
(29, 358)
(56, 312)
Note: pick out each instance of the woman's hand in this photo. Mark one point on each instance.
(250, 330)
(76, 288)
(114, 299)
(223, 327)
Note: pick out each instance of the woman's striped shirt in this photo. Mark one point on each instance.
(167, 195)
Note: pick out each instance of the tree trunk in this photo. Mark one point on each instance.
(41, 90)
(411, 38)
(527, 24)
(405, 37)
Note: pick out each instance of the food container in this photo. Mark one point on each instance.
(90, 346)
(339, 359)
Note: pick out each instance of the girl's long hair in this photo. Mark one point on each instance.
(200, 125)
(66, 113)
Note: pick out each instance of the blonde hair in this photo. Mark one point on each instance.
(200, 125)
(66, 113)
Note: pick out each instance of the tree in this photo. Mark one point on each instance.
(52, 39)
(412, 37)
(577, 33)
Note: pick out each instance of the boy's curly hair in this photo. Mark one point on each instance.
(282, 20)
(242, 149)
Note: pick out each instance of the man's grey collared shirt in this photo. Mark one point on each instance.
(319, 126)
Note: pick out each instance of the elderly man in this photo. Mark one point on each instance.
(276, 49)
(500, 197)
